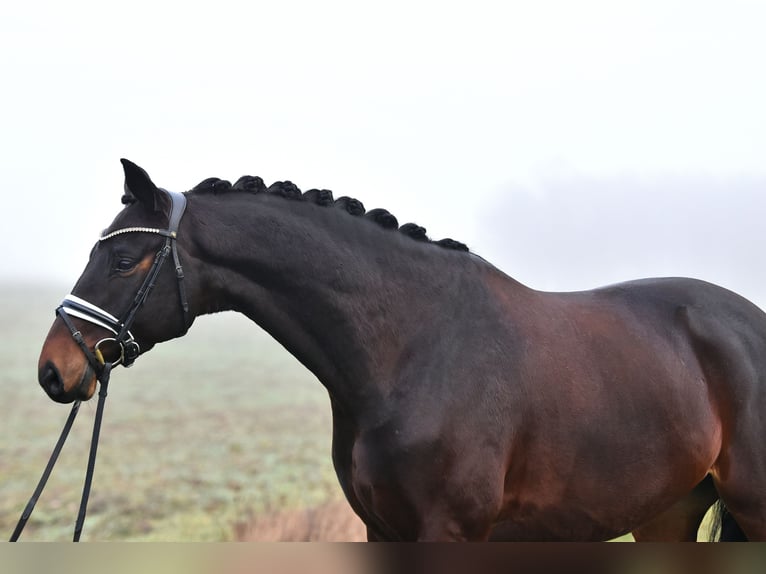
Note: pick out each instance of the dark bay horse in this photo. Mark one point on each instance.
(466, 406)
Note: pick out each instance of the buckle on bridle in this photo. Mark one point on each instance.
(130, 352)
(115, 352)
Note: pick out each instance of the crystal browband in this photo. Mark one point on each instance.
(163, 232)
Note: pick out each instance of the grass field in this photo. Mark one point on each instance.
(203, 438)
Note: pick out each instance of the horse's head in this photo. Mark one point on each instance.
(130, 296)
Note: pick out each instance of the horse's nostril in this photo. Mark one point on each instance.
(50, 379)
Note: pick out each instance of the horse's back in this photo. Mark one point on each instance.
(686, 292)
(726, 331)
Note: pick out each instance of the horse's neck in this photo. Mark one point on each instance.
(343, 295)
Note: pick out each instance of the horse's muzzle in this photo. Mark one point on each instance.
(52, 382)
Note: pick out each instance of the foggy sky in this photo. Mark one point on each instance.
(579, 232)
(572, 144)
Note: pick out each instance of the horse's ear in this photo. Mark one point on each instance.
(139, 185)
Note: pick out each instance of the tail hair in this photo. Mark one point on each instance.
(723, 527)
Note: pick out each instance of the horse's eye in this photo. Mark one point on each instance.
(124, 265)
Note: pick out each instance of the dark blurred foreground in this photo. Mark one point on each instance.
(297, 558)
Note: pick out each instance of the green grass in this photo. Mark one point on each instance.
(202, 433)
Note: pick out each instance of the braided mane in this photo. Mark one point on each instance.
(321, 197)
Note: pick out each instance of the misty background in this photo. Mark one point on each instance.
(570, 144)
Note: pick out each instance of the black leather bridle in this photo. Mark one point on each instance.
(109, 352)
(122, 348)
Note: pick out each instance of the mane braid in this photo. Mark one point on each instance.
(321, 197)
(350, 205)
(415, 231)
(383, 218)
(213, 185)
(286, 189)
(250, 184)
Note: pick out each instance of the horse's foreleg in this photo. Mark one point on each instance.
(681, 521)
